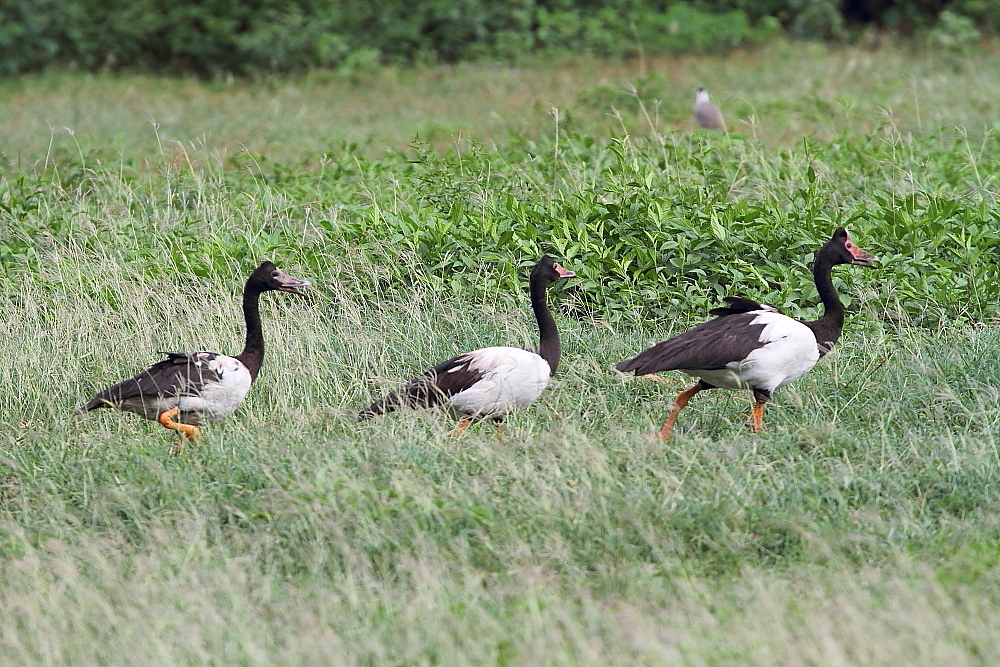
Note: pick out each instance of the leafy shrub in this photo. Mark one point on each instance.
(953, 31)
(654, 229)
(28, 35)
(360, 64)
(816, 19)
(683, 28)
(985, 13)
(214, 37)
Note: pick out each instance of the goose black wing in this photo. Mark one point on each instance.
(180, 374)
(713, 345)
(431, 388)
(738, 304)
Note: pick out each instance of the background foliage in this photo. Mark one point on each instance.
(220, 37)
(656, 226)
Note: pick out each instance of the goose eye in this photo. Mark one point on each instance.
(274, 275)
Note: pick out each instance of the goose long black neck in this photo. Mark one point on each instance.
(827, 328)
(252, 355)
(548, 336)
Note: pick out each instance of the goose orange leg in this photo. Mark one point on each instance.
(757, 418)
(167, 420)
(462, 425)
(679, 403)
(761, 396)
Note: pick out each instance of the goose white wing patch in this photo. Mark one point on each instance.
(787, 353)
(778, 326)
(511, 377)
(216, 400)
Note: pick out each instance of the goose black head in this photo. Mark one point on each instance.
(548, 270)
(841, 250)
(267, 277)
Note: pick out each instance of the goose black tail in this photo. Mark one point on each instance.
(625, 366)
(92, 405)
(421, 392)
(385, 405)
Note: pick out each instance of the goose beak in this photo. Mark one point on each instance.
(289, 284)
(564, 273)
(862, 258)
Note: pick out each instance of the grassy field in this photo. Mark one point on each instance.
(861, 527)
(776, 94)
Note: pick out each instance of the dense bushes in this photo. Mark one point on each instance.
(660, 229)
(212, 37)
(204, 37)
(264, 35)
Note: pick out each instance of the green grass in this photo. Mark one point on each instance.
(859, 528)
(775, 94)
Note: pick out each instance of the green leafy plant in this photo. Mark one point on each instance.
(954, 31)
(213, 39)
